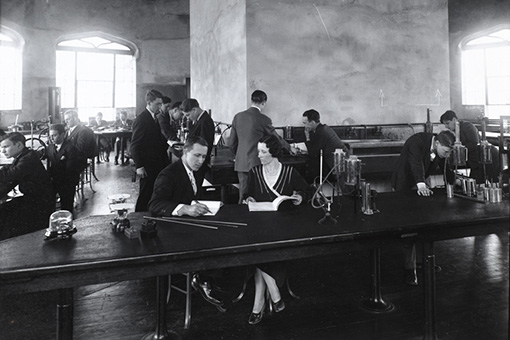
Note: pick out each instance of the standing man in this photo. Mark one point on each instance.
(81, 137)
(64, 162)
(169, 121)
(201, 125)
(176, 190)
(148, 148)
(319, 137)
(248, 127)
(421, 154)
(30, 211)
(100, 124)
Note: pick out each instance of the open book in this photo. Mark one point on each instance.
(269, 206)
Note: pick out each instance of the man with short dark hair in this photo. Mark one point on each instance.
(63, 166)
(470, 138)
(319, 137)
(201, 125)
(148, 148)
(421, 154)
(81, 137)
(123, 124)
(176, 190)
(248, 127)
(30, 211)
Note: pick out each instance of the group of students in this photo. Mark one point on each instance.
(262, 177)
(172, 188)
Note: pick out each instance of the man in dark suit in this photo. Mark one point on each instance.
(176, 190)
(64, 162)
(470, 138)
(30, 211)
(319, 137)
(81, 137)
(421, 155)
(201, 125)
(148, 148)
(248, 127)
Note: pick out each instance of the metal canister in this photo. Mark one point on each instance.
(472, 187)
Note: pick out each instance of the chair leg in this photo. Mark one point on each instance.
(189, 290)
(243, 290)
(291, 292)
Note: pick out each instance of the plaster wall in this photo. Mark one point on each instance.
(218, 56)
(159, 28)
(355, 62)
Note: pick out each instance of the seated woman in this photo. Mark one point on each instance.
(266, 182)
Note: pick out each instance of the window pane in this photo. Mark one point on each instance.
(10, 78)
(498, 61)
(95, 66)
(125, 82)
(95, 93)
(499, 90)
(473, 77)
(66, 77)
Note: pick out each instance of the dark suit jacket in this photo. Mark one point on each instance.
(84, 140)
(204, 127)
(324, 138)
(64, 165)
(167, 126)
(414, 164)
(29, 173)
(248, 127)
(172, 188)
(148, 145)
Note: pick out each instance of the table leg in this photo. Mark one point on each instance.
(122, 147)
(161, 332)
(65, 314)
(375, 303)
(429, 288)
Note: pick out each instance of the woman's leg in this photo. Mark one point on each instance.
(271, 286)
(260, 289)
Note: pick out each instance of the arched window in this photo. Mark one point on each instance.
(486, 70)
(11, 56)
(96, 72)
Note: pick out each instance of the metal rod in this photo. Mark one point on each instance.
(235, 224)
(181, 222)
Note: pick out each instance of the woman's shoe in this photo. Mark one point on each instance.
(278, 306)
(255, 318)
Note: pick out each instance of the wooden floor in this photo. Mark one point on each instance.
(472, 296)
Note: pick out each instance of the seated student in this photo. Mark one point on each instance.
(470, 138)
(123, 123)
(319, 137)
(31, 211)
(421, 154)
(104, 143)
(64, 162)
(177, 186)
(267, 181)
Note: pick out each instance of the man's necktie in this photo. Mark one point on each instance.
(193, 184)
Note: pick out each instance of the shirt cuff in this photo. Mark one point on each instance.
(421, 185)
(174, 213)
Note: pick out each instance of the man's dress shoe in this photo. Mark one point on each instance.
(411, 277)
(205, 290)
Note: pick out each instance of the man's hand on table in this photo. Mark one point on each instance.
(423, 190)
